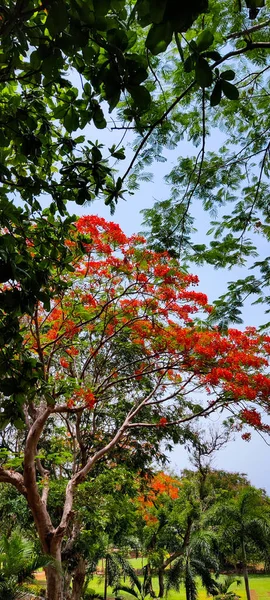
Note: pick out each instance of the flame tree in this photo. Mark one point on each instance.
(117, 357)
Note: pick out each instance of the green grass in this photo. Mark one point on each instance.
(258, 583)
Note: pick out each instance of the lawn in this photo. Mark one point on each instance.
(259, 584)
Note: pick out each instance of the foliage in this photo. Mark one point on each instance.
(18, 562)
(64, 64)
(138, 589)
(224, 588)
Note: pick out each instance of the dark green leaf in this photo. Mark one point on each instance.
(230, 90)
(159, 37)
(98, 118)
(205, 40)
(71, 120)
(228, 75)
(57, 19)
(140, 96)
(216, 94)
(189, 63)
(203, 73)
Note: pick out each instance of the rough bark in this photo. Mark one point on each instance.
(149, 575)
(36, 504)
(53, 574)
(78, 580)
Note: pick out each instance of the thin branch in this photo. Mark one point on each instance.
(156, 79)
(245, 32)
(203, 413)
(155, 124)
(80, 476)
(248, 217)
(249, 46)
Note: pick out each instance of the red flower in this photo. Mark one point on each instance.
(64, 363)
(163, 421)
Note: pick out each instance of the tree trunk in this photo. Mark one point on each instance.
(66, 586)
(78, 579)
(53, 574)
(245, 570)
(149, 574)
(161, 582)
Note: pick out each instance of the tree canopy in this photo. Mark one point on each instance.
(163, 71)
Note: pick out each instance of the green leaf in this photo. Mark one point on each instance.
(203, 73)
(140, 96)
(57, 19)
(157, 10)
(159, 37)
(189, 63)
(231, 92)
(228, 75)
(205, 40)
(101, 7)
(118, 37)
(71, 120)
(98, 118)
(212, 54)
(87, 89)
(216, 94)
(35, 59)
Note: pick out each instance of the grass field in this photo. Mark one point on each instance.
(259, 584)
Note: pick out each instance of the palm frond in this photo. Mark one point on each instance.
(174, 575)
(190, 583)
(127, 589)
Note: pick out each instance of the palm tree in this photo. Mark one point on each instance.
(243, 525)
(116, 566)
(18, 562)
(137, 589)
(199, 560)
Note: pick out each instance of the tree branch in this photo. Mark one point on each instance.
(249, 46)
(245, 32)
(35, 501)
(155, 124)
(15, 479)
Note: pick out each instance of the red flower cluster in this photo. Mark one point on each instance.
(252, 417)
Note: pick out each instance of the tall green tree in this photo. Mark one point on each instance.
(243, 527)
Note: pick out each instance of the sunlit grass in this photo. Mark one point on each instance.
(258, 583)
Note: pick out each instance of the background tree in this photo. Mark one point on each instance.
(243, 525)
